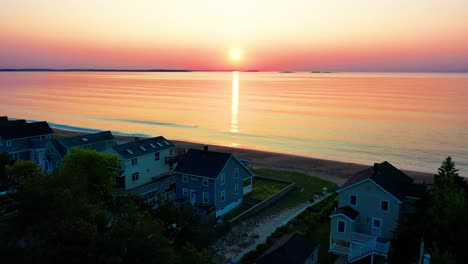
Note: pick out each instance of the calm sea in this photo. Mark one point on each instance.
(412, 120)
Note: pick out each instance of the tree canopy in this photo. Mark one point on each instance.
(70, 217)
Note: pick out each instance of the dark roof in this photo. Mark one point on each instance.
(348, 211)
(142, 147)
(290, 248)
(203, 163)
(16, 129)
(386, 176)
(3, 118)
(58, 147)
(86, 139)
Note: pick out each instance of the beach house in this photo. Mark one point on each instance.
(291, 249)
(369, 206)
(212, 179)
(147, 167)
(28, 141)
(100, 141)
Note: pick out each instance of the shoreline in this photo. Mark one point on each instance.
(331, 170)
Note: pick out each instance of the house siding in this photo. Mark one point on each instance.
(230, 181)
(147, 167)
(350, 227)
(197, 186)
(368, 206)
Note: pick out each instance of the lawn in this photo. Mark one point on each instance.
(264, 188)
(308, 186)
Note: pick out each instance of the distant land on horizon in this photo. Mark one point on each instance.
(201, 70)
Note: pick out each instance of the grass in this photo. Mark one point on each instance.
(236, 211)
(263, 188)
(308, 186)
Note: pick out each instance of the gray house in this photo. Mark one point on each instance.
(369, 206)
(101, 141)
(291, 249)
(28, 141)
(209, 178)
(147, 167)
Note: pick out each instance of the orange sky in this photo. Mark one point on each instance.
(335, 35)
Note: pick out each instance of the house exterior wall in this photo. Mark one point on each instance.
(147, 166)
(350, 227)
(195, 184)
(229, 186)
(369, 196)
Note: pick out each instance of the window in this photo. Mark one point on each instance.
(156, 156)
(135, 176)
(223, 196)
(205, 181)
(171, 166)
(223, 178)
(236, 189)
(206, 198)
(184, 178)
(341, 226)
(185, 191)
(352, 199)
(194, 178)
(8, 142)
(384, 206)
(134, 162)
(236, 172)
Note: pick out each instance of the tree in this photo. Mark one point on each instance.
(5, 159)
(448, 175)
(20, 171)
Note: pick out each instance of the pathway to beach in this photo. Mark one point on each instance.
(246, 235)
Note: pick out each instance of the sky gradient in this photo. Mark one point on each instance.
(297, 35)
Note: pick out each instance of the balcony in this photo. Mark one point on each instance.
(361, 246)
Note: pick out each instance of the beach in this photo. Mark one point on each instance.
(335, 171)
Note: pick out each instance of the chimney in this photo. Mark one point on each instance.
(205, 148)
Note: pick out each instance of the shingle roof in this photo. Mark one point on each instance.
(202, 163)
(16, 129)
(386, 176)
(291, 248)
(142, 147)
(347, 211)
(57, 146)
(86, 139)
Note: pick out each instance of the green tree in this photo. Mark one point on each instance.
(20, 171)
(5, 159)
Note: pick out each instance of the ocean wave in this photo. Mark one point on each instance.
(144, 122)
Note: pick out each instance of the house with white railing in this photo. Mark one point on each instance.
(369, 206)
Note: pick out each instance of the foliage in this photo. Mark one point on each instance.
(5, 160)
(313, 223)
(20, 171)
(439, 219)
(71, 217)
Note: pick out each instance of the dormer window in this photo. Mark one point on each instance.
(352, 200)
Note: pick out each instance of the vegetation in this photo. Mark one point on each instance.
(264, 188)
(439, 219)
(72, 217)
(313, 223)
(308, 186)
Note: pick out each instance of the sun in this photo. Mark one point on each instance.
(235, 55)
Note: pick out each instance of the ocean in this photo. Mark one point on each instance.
(411, 120)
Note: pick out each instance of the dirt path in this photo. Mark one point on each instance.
(246, 235)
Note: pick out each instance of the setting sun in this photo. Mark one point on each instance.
(235, 55)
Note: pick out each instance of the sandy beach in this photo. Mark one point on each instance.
(331, 170)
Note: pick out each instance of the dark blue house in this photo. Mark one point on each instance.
(208, 178)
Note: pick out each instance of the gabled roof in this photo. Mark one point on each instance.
(290, 248)
(16, 129)
(203, 163)
(142, 147)
(385, 175)
(58, 147)
(86, 139)
(346, 211)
